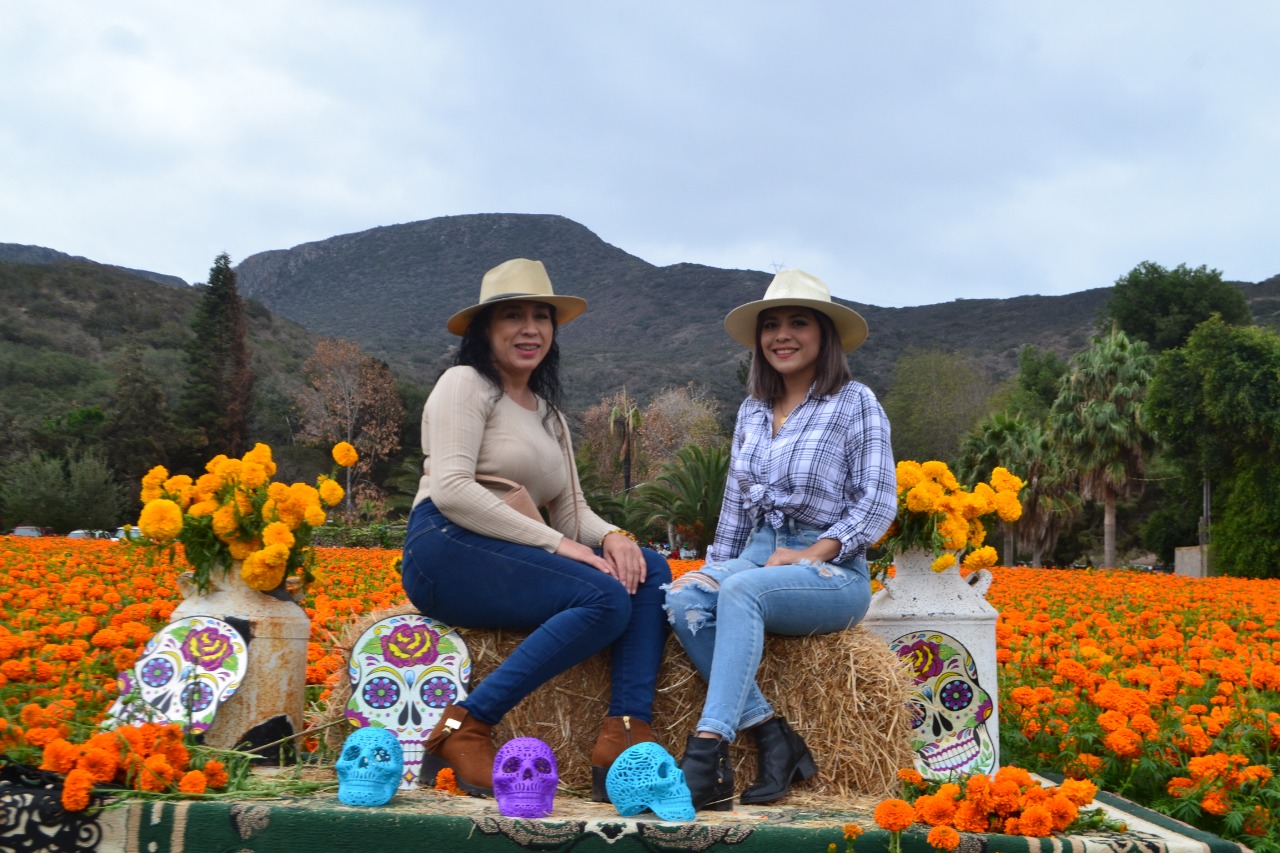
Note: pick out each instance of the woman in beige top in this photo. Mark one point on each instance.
(578, 583)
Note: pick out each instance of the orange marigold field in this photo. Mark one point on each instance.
(1162, 689)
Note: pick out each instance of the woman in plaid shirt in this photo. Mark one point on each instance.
(811, 484)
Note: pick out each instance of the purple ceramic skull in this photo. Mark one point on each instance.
(525, 778)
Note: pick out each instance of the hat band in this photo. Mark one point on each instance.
(515, 295)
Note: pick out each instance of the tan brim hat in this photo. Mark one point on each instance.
(516, 279)
(794, 287)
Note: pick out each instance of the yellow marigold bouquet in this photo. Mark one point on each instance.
(234, 511)
(937, 514)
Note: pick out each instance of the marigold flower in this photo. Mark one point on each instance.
(76, 790)
(971, 817)
(59, 756)
(946, 561)
(100, 764)
(161, 520)
(276, 533)
(912, 777)
(1124, 742)
(981, 558)
(1079, 791)
(193, 782)
(215, 774)
(1036, 822)
(1215, 803)
(446, 782)
(1062, 810)
(894, 815)
(943, 838)
(344, 454)
(852, 831)
(331, 493)
(935, 809)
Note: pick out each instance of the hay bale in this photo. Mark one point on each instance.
(845, 693)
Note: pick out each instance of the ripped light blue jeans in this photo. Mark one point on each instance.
(720, 614)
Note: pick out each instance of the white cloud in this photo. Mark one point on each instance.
(905, 154)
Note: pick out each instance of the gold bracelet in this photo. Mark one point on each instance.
(625, 533)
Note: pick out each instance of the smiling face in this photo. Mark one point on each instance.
(791, 340)
(520, 334)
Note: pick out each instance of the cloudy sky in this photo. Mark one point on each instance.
(906, 153)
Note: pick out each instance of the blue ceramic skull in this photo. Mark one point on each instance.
(370, 768)
(645, 776)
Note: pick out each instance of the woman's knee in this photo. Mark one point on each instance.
(656, 568)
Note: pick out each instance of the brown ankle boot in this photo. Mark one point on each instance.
(466, 745)
(616, 734)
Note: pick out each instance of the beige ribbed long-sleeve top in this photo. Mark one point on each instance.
(467, 429)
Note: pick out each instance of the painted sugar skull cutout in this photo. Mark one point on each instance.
(371, 767)
(525, 776)
(404, 671)
(645, 776)
(949, 710)
(186, 671)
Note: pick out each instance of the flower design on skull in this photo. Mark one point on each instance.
(207, 648)
(411, 645)
(923, 657)
(381, 692)
(157, 672)
(439, 691)
(197, 696)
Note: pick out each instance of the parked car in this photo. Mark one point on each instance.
(88, 534)
(123, 533)
(31, 530)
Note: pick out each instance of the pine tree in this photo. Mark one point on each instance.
(219, 389)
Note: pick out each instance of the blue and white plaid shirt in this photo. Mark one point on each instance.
(830, 466)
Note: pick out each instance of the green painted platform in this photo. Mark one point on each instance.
(430, 821)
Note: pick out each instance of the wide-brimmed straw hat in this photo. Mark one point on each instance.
(519, 278)
(795, 287)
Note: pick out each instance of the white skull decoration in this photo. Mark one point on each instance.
(525, 778)
(186, 671)
(645, 776)
(949, 710)
(370, 767)
(404, 671)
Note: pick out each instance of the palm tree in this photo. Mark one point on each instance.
(625, 418)
(1099, 423)
(686, 496)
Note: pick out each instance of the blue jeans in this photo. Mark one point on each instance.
(721, 612)
(464, 579)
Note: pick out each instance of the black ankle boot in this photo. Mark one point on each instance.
(708, 773)
(781, 759)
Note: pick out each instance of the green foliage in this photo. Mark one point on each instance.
(390, 536)
(1099, 423)
(217, 397)
(1163, 306)
(1215, 403)
(1040, 374)
(63, 494)
(935, 399)
(687, 494)
(1175, 522)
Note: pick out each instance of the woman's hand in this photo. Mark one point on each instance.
(582, 554)
(627, 560)
(819, 552)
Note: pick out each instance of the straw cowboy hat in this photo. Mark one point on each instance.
(794, 287)
(519, 278)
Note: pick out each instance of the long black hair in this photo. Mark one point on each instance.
(474, 351)
(765, 383)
